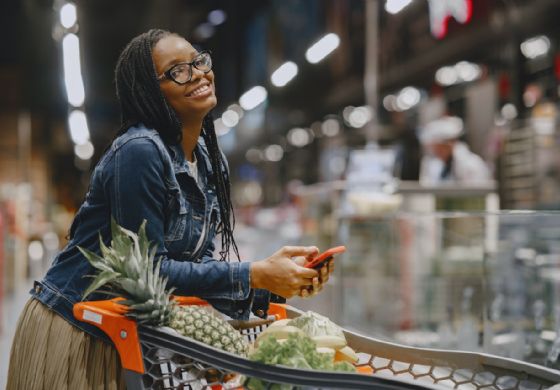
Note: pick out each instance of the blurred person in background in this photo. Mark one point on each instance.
(164, 166)
(447, 159)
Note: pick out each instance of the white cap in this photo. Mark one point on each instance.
(443, 129)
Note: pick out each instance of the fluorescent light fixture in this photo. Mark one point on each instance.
(467, 71)
(68, 15)
(217, 17)
(84, 151)
(253, 97)
(284, 74)
(230, 118)
(461, 72)
(360, 116)
(204, 31)
(446, 76)
(299, 137)
(407, 98)
(390, 103)
(273, 153)
(322, 48)
(509, 111)
(396, 6)
(79, 131)
(535, 47)
(72, 70)
(220, 127)
(330, 127)
(237, 108)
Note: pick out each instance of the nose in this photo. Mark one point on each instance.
(196, 74)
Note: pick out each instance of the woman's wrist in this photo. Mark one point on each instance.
(255, 272)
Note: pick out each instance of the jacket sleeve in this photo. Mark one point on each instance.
(135, 187)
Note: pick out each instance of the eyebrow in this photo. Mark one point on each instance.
(175, 61)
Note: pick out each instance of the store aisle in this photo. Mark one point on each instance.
(11, 308)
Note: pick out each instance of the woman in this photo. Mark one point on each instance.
(164, 166)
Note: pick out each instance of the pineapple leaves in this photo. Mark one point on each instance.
(95, 260)
(102, 279)
(129, 269)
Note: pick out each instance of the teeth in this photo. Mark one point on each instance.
(199, 90)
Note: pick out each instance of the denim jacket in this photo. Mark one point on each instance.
(140, 177)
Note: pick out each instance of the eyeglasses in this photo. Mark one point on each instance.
(182, 73)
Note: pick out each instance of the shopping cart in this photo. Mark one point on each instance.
(159, 358)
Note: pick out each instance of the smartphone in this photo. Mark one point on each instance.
(321, 258)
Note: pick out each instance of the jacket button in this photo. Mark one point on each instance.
(38, 289)
(240, 311)
(260, 313)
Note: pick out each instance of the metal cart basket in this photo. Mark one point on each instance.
(159, 358)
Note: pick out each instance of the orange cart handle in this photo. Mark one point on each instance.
(109, 316)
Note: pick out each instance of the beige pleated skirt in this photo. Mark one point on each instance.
(49, 353)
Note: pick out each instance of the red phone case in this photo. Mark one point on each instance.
(318, 261)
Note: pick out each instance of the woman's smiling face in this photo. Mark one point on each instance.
(193, 99)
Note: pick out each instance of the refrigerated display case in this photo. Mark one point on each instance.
(477, 281)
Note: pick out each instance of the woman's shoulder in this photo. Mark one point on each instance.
(137, 135)
(138, 144)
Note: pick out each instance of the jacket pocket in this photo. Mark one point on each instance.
(178, 217)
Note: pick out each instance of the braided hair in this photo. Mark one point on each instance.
(142, 101)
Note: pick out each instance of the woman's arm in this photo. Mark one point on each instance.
(134, 184)
(136, 189)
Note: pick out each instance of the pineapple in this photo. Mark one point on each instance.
(128, 267)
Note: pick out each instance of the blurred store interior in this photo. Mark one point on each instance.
(324, 109)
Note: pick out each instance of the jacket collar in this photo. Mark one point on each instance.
(180, 162)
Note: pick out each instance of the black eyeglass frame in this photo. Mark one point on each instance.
(167, 73)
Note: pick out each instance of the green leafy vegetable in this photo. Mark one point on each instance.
(314, 324)
(297, 352)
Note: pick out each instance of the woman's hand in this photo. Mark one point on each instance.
(281, 275)
(318, 282)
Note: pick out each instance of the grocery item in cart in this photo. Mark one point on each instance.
(128, 266)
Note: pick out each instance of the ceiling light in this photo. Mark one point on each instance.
(535, 47)
(273, 153)
(299, 137)
(217, 17)
(284, 74)
(72, 70)
(331, 127)
(253, 97)
(446, 76)
(84, 151)
(467, 71)
(68, 15)
(408, 97)
(230, 118)
(237, 108)
(220, 127)
(390, 102)
(79, 131)
(396, 6)
(322, 48)
(360, 116)
(204, 31)
(346, 113)
(509, 111)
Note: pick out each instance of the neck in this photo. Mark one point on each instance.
(191, 132)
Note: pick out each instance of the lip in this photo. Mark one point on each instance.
(202, 95)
